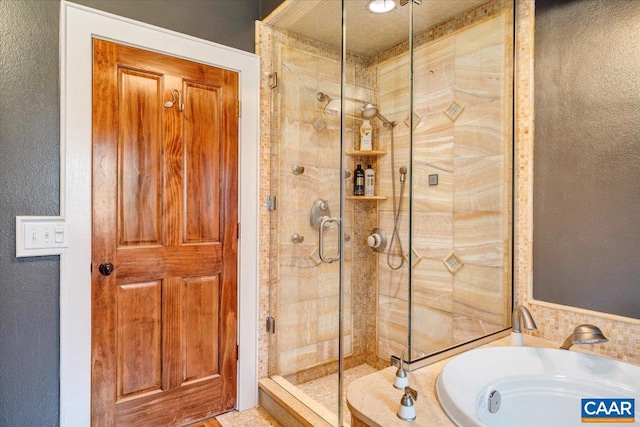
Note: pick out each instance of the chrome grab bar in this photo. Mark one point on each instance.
(325, 220)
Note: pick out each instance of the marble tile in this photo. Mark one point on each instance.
(431, 330)
(292, 360)
(481, 74)
(434, 76)
(468, 328)
(433, 234)
(328, 279)
(433, 141)
(385, 180)
(328, 349)
(298, 61)
(328, 319)
(330, 69)
(297, 284)
(432, 285)
(478, 293)
(393, 75)
(481, 130)
(299, 139)
(480, 237)
(298, 92)
(393, 321)
(486, 33)
(297, 324)
(433, 198)
(479, 184)
(394, 106)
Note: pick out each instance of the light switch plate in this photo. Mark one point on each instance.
(41, 235)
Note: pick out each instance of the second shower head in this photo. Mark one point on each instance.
(370, 111)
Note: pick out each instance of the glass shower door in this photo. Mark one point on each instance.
(306, 251)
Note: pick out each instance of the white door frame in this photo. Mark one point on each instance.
(78, 25)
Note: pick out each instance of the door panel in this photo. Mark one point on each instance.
(165, 214)
(140, 138)
(202, 296)
(202, 163)
(139, 345)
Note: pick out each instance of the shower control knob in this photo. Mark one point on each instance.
(374, 241)
(377, 240)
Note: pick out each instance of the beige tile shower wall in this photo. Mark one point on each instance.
(555, 322)
(302, 292)
(308, 289)
(469, 210)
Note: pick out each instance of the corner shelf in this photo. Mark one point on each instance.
(365, 197)
(368, 153)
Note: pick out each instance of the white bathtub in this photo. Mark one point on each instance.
(538, 387)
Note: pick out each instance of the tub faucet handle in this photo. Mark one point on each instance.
(407, 409)
(401, 381)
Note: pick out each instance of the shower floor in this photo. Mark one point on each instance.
(325, 390)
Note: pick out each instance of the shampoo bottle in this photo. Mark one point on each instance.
(358, 181)
(366, 136)
(369, 182)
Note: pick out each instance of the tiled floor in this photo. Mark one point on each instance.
(256, 417)
(323, 390)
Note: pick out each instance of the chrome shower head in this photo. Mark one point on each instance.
(370, 111)
(584, 334)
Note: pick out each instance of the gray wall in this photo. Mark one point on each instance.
(268, 6)
(587, 155)
(29, 176)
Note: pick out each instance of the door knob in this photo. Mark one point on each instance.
(106, 268)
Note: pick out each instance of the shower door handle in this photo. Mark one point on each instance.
(325, 221)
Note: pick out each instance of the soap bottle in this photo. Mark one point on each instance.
(358, 181)
(369, 181)
(366, 136)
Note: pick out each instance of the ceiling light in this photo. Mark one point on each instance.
(381, 6)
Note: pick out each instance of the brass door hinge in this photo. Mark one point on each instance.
(271, 203)
(271, 325)
(273, 80)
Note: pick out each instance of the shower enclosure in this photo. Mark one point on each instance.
(424, 265)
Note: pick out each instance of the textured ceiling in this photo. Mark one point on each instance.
(367, 33)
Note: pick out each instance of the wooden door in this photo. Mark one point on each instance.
(164, 336)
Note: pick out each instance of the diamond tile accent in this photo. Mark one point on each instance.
(417, 119)
(415, 257)
(454, 110)
(453, 262)
(318, 123)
